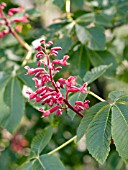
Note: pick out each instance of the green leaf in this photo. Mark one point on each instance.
(40, 141)
(4, 109)
(85, 19)
(15, 101)
(27, 80)
(120, 128)
(99, 134)
(95, 73)
(48, 162)
(25, 166)
(82, 34)
(78, 3)
(79, 60)
(59, 3)
(125, 52)
(116, 95)
(103, 58)
(103, 20)
(94, 37)
(66, 44)
(120, 121)
(97, 38)
(86, 120)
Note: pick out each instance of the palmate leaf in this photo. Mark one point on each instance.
(120, 122)
(4, 109)
(96, 123)
(94, 37)
(48, 162)
(99, 134)
(95, 73)
(120, 129)
(103, 58)
(82, 34)
(41, 140)
(79, 60)
(25, 166)
(118, 95)
(89, 115)
(15, 101)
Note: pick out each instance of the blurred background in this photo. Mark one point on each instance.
(92, 33)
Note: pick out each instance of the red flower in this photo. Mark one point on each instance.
(52, 96)
(62, 62)
(22, 19)
(14, 10)
(48, 112)
(33, 71)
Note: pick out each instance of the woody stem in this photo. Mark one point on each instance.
(19, 39)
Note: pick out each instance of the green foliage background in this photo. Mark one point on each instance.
(95, 36)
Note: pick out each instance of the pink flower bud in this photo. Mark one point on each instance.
(56, 48)
(14, 10)
(40, 54)
(39, 48)
(59, 112)
(73, 89)
(32, 95)
(42, 41)
(3, 4)
(79, 106)
(1, 34)
(83, 88)
(79, 103)
(71, 81)
(23, 19)
(38, 83)
(58, 68)
(53, 52)
(38, 98)
(54, 109)
(61, 80)
(50, 42)
(33, 71)
(5, 32)
(48, 112)
(40, 90)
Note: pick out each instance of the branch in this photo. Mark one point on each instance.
(24, 44)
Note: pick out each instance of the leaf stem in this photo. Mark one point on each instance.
(62, 146)
(25, 45)
(68, 9)
(96, 96)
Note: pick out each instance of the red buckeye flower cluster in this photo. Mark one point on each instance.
(19, 143)
(7, 20)
(48, 90)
